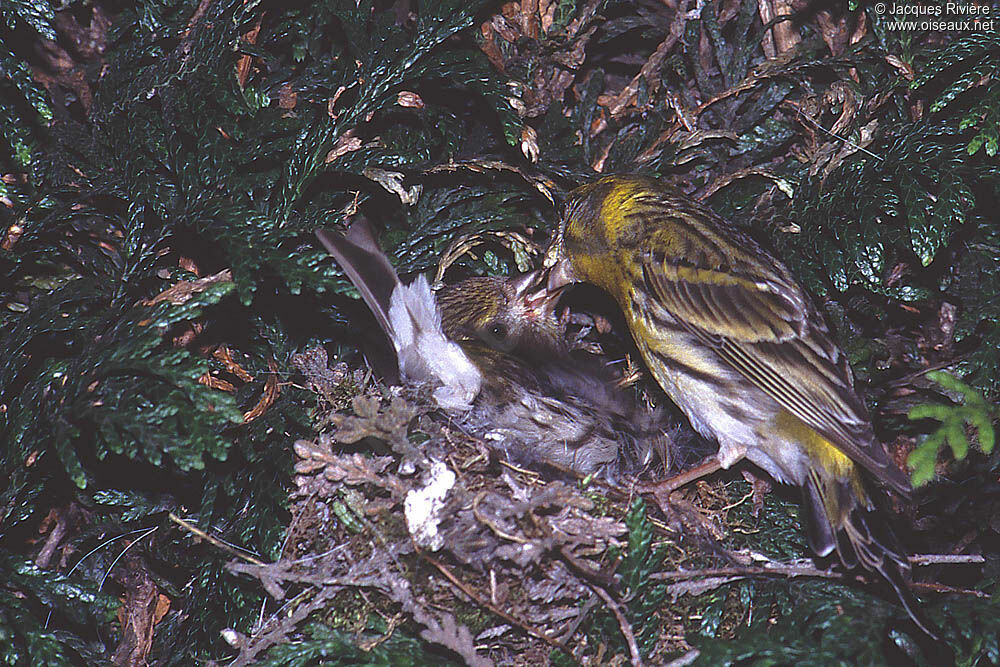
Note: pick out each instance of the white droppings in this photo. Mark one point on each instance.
(422, 507)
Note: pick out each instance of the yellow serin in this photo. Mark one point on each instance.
(735, 341)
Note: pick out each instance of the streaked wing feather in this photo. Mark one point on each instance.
(726, 306)
(768, 333)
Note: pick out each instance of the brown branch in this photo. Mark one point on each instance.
(623, 623)
(791, 571)
(777, 570)
(271, 391)
(534, 632)
(278, 627)
(945, 559)
(649, 69)
(726, 179)
(944, 588)
(214, 540)
(55, 537)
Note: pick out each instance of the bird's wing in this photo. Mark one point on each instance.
(769, 332)
(366, 266)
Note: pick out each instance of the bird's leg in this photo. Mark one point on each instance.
(760, 486)
(665, 487)
(682, 513)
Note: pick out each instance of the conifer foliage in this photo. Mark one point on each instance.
(164, 163)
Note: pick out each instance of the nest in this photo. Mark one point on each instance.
(400, 514)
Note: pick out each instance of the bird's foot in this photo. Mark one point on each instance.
(662, 489)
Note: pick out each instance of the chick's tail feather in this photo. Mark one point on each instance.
(366, 266)
(409, 316)
(838, 519)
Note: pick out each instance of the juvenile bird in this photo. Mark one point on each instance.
(497, 361)
(737, 344)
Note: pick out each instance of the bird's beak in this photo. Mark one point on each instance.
(559, 271)
(560, 275)
(532, 289)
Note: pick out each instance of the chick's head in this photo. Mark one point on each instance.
(509, 314)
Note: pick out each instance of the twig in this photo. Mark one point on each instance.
(53, 540)
(837, 136)
(726, 179)
(499, 532)
(604, 579)
(910, 377)
(944, 588)
(214, 540)
(581, 617)
(778, 570)
(279, 573)
(653, 64)
(791, 571)
(600, 577)
(623, 623)
(277, 629)
(271, 391)
(691, 118)
(534, 632)
(678, 108)
(950, 559)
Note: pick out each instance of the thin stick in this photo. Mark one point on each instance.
(950, 559)
(538, 634)
(214, 540)
(623, 623)
(776, 571)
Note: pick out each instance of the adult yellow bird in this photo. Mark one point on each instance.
(737, 344)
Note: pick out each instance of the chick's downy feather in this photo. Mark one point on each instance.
(498, 362)
(425, 354)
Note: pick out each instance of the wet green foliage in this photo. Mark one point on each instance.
(43, 614)
(163, 154)
(777, 620)
(974, 411)
(819, 623)
(147, 145)
(337, 647)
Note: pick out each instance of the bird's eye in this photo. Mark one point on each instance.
(498, 331)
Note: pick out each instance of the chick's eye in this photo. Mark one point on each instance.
(498, 331)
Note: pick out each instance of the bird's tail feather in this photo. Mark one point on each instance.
(366, 266)
(409, 316)
(839, 519)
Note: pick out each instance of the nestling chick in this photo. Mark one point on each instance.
(498, 363)
(737, 344)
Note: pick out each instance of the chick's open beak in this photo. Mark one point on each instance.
(533, 291)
